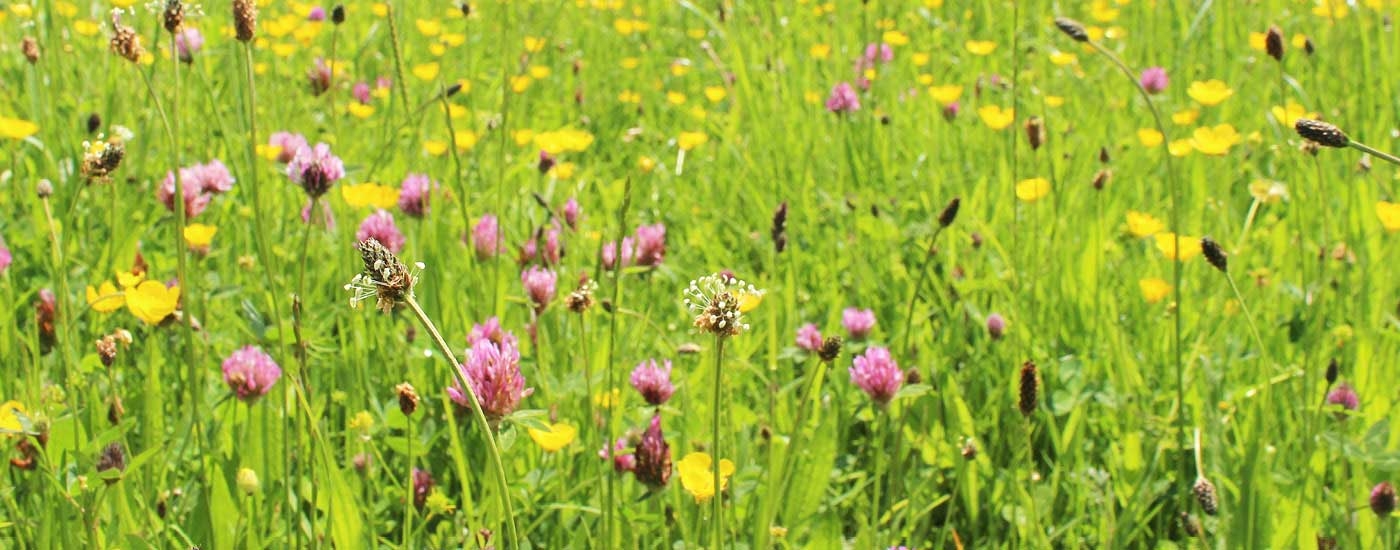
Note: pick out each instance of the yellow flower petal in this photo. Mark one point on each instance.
(1190, 246)
(1389, 213)
(11, 413)
(980, 47)
(15, 128)
(995, 117)
(152, 302)
(1154, 289)
(106, 298)
(1210, 92)
(1149, 137)
(1033, 189)
(426, 71)
(1144, 225)
(556, 437)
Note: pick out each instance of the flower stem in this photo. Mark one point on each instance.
(408, 503)
(502, 485)
(717, 500)
(609, 494)
(1175, 215)
(914, 294)
(1375, 152)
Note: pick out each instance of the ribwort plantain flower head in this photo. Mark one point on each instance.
(719, 303)
(385, 278)
(1321, 133)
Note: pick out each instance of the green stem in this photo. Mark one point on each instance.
(1375, 152)
(1175, 215)
(502, 484)
(914, 294)
(717, 501)
(408, 503)
(609, 513)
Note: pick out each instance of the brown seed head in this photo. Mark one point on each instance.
(408, 398)
(1035, 132)
(30, 47)
(125, 42)
(1334, 369)
(1102, 178)
(1273, 43)
(1322, 133)
(950, 212)
(1214, 254)
(1205, 494)
(778, 232)
(1029, 388)
(1072, 28)
(830, 350)
(389, 278)
(174, 16)
(245, 19)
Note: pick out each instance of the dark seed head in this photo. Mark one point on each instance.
(245, 19)
(1190, 525)
(94, 122)
(1029, 388)
(1102, 178)
(1072, 28)
(950, 212)
(1214, 254)
(1035, 132)
(1205, 494)
(174, 15)
(1273, 43)
(779, 229)
(408, 398)
(30, 48)
(1308, 46)
(831, 349)
(1334, 369)
(338, 14)
(1322, 133)
(1103, 155)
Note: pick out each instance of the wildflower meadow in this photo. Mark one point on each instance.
(869, 274)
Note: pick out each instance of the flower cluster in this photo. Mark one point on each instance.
(719, 303)
(250, 373)
(647, 247)
(199, 183)
(315, 169)
(493, 371)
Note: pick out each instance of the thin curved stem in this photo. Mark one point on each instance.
(502, 484)
(717, 500)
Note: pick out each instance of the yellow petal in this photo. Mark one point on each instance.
(556, 437)
(15, 128)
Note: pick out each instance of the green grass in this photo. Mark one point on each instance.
(1101, 462)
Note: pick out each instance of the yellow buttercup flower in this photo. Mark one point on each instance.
(563, 170)
(920, 59)
(426, 71)
(1033, 189)
(715, 94)
(819, 51)
(1141, 224)
(539, 72)
(1190, 246)
(1389, 213)
(1154, 289)
(359, 110)
(1180, 147)
(360, 195)
(995, 117)
(606, 400)
(980, 47)
(1332, 9)
(1061, 59)
(1290, 113)
(429, 27)
(11, 418)
(555, 437)
(15, 128)
(199, 236)
(152, 302)
(646, 164)
(465, 139)
(520, 83)
(434, 147)
(675, 98)
(1258, 41)
(1186, 118)
(523, 136)
(749, 301)
(1215, 141)
(1209, 93)
(126, 279)
(1149, 137)
(534, 44)
(946, 94)
(698, 478)
(563, 140)
(1054, 100)
(895, 38)
(690, 140)
(105, 298)
(86, 27)
(1103, 11)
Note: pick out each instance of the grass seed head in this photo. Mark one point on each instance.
(1029, 389)
(1321, 133)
